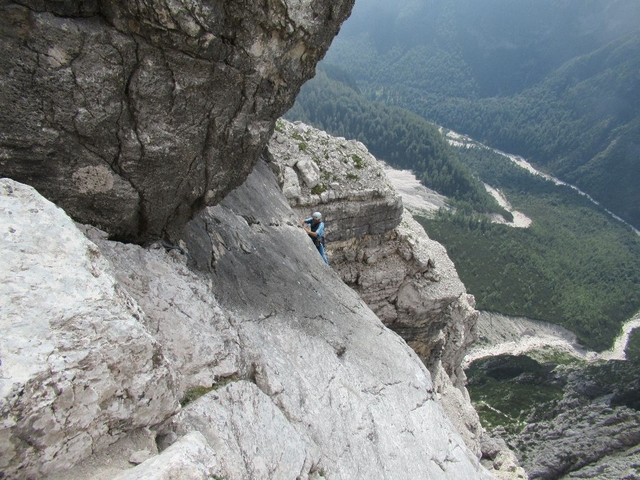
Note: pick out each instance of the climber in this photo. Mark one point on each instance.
(316, 232)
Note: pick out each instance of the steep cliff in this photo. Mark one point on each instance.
(564, 416)
(383, 254)
(235, 352)
(133, 116)
(307, 381)
(593, 431)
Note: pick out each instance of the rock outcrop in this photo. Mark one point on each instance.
(578, 411)
(304, 380)
(382, 253)
(133, 116)
(596, 440)
(338, 176)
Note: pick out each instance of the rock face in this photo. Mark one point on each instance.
(593, 441)
(383, 254)
(338, 176)
(133, 116)
(78, 366)
(584, 420)
(308, 383)
(246, 357)
(189, 458)
(411, 284)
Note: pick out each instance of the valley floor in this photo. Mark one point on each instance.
(416, 198)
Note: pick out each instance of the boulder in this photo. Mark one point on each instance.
(189, 458)
(134, 116)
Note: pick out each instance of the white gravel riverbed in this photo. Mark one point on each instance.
(503, 335)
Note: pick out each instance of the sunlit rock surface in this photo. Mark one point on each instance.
(382, 253)
(78, 366)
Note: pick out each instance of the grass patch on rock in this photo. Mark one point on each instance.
(357, 161)
(200, 390)
(319, 189)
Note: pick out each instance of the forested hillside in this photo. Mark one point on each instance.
(555, 81)
(574, 266)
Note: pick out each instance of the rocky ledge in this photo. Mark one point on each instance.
(335, 175)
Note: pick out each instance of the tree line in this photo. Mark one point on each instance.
(564, 94)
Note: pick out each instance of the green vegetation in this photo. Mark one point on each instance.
(297, 136)
(506, 389)
(633, 347)
(318, 189)
(563, 93)
(574, 266)
(357, 161)
(551, 355)
(583, 132)
(197, 392)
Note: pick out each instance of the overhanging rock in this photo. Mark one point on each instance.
(132, 116)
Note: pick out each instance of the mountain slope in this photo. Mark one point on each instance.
(554, 81)
(270, 336)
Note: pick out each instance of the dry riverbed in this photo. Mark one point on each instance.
(502, 335)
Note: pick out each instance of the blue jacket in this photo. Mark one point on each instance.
(317, 228)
